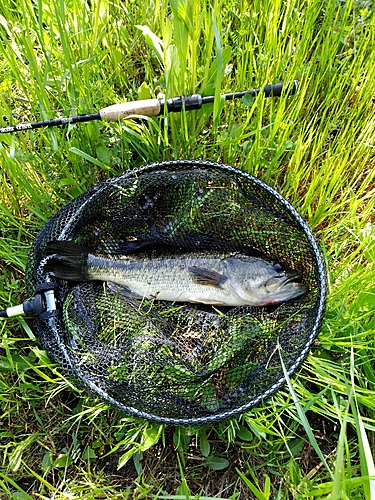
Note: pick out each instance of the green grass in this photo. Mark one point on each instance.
(315, 437)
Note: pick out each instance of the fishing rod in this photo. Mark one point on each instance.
(154, 107)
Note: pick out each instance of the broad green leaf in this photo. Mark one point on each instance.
(204, 444)
(144, 91)
(153, 41)
(63, 460)
(47, 461)
(89, 453)
(216, 463)
(103, 154)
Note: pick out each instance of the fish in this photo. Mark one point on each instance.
(197, 277)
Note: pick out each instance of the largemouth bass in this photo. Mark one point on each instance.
(199, 277)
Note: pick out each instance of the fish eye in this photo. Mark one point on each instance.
(278, 267)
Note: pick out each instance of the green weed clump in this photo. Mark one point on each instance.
(315, 437)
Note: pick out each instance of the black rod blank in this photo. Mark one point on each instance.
(49, 123)
(153, 107)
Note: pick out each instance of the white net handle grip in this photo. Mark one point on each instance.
(146, 107)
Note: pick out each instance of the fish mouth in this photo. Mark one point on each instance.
(295, 278)
(278, 284)
(293, 287)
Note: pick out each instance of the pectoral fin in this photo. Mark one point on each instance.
(203, 276)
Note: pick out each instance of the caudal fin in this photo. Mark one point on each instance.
(67, 260)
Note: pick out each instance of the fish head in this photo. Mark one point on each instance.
(260, 282)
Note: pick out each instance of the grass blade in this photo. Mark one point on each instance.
(303, 418)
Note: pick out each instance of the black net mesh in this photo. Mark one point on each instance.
(180, 363)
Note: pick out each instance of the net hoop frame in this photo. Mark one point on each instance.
(321, 298)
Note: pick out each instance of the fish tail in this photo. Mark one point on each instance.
(67, 260)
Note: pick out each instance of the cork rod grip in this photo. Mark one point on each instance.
(147, 107)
